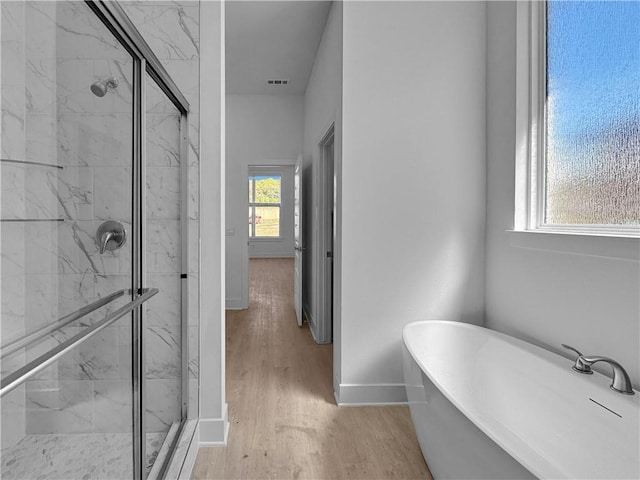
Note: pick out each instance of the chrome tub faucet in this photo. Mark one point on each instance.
(621, 381)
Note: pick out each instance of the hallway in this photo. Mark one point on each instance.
(284, 422)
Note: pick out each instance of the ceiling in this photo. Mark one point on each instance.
(272, 40)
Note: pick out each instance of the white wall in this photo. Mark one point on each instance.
(261, 130)
(413, 181)
(581, 291)
(322, 107)
(213, 410)
(412, 269)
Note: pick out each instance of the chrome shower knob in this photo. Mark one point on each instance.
(111, 236)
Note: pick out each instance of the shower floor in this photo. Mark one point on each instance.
(86, 456)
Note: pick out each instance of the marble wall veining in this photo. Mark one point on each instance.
(28, 263)
(172, 31)
(90, 138)
(51, 53)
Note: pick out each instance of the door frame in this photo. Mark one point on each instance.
(283, 167)
(299, 248)
(325, 236)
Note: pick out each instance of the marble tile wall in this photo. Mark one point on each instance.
(163, 334)
(171, 28)
(27, 262)
(86, 391)
(93, 143)
(51, 53)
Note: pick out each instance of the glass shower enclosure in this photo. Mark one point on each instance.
(93, 290)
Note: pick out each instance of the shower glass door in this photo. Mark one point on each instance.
(67, 208)
(93, 212)
(165, 253)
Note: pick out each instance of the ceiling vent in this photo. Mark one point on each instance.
(278, 81)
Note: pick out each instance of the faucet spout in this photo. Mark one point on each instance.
(621, 381)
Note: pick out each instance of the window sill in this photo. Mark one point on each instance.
(267, 239)
(594, 245)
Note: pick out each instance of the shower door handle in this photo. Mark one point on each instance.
(111, 236)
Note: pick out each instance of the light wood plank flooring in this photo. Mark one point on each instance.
(284, 422)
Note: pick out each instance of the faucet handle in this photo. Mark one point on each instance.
(104, 240)
(579, 366)
(569, 347)
(111, 235)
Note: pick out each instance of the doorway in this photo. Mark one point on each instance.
(326, 237)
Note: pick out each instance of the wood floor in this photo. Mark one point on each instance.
(284, 422)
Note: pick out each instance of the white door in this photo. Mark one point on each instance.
(297, 233)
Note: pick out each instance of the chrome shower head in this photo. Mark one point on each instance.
(101, 87)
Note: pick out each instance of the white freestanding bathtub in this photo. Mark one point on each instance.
(486, 405)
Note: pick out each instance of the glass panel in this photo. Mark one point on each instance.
(593, 113)
(76, 414)
(162, 334)
(267, 221)
(250, 189)
(66, 169)
(250, 222)
(267, 189)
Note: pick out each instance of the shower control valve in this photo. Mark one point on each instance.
(111, 236)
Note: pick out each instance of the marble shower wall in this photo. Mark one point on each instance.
(172, 30)
(91, 139)
(162, 320)
(51, 53)
(28, 204)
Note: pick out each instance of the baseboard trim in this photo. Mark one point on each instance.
(233, 304)
(310, 320)
(271, 255)
(214, 431)
(359, 395)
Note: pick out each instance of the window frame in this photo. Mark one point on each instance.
(256, 172)
(531, 75)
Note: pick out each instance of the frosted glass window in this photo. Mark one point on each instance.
(592, 114)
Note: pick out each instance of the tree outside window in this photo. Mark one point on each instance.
(264, 206)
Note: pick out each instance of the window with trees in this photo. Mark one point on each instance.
(264, 206)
